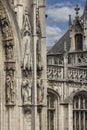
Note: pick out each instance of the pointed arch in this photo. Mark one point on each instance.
(52, 110)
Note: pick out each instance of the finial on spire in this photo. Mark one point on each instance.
(77, 10)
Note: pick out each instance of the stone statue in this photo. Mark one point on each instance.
(6, 29)
(26, 54)
(9, 90)
(39, 91)
(38, 49)
(26, 91)
(9, 52)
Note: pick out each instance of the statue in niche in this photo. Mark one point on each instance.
(39, 54)
(10, 93)
(27, 61)
(6, 30)
(26, 91)
(40, 92)
(9, 52)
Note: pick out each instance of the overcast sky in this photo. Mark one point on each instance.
(58, 14)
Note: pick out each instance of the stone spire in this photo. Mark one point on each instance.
(85, 11)
(70, 21)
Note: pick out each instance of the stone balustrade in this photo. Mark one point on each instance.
(75, 74)
(55, 59)
(54, 72)
(78, 58)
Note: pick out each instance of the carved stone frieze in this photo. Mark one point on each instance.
(78, 86)
(52, 84)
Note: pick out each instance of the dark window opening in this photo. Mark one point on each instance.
(80, 112)
(78, 42)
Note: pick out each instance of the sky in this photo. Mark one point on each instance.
(58, 12)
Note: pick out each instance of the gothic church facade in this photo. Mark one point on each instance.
(35, 95)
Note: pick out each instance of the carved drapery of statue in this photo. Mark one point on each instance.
(26, 92)
(10, 91)
(40, 90)
(26, 45)
(39, 65)
(27, 60)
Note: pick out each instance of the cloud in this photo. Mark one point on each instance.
(59, 12)
(53, 34)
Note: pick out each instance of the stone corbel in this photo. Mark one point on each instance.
(27, 72)
(27, 108)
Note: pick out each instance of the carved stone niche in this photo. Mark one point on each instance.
(5, 27)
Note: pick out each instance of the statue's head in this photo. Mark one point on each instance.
(25, 83)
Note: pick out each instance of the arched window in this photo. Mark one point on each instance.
(78, 42)
(80, 111)
(52, 112)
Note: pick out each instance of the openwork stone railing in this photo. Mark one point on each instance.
(55, 59)
(77, 74)
(78, 58)
(73, 74)
(54, 72)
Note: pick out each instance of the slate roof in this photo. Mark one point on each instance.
(59, 46)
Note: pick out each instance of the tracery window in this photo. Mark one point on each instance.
(80, 112)
(52, 112)
(78, 42)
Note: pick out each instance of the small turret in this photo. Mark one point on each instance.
(70, 21)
